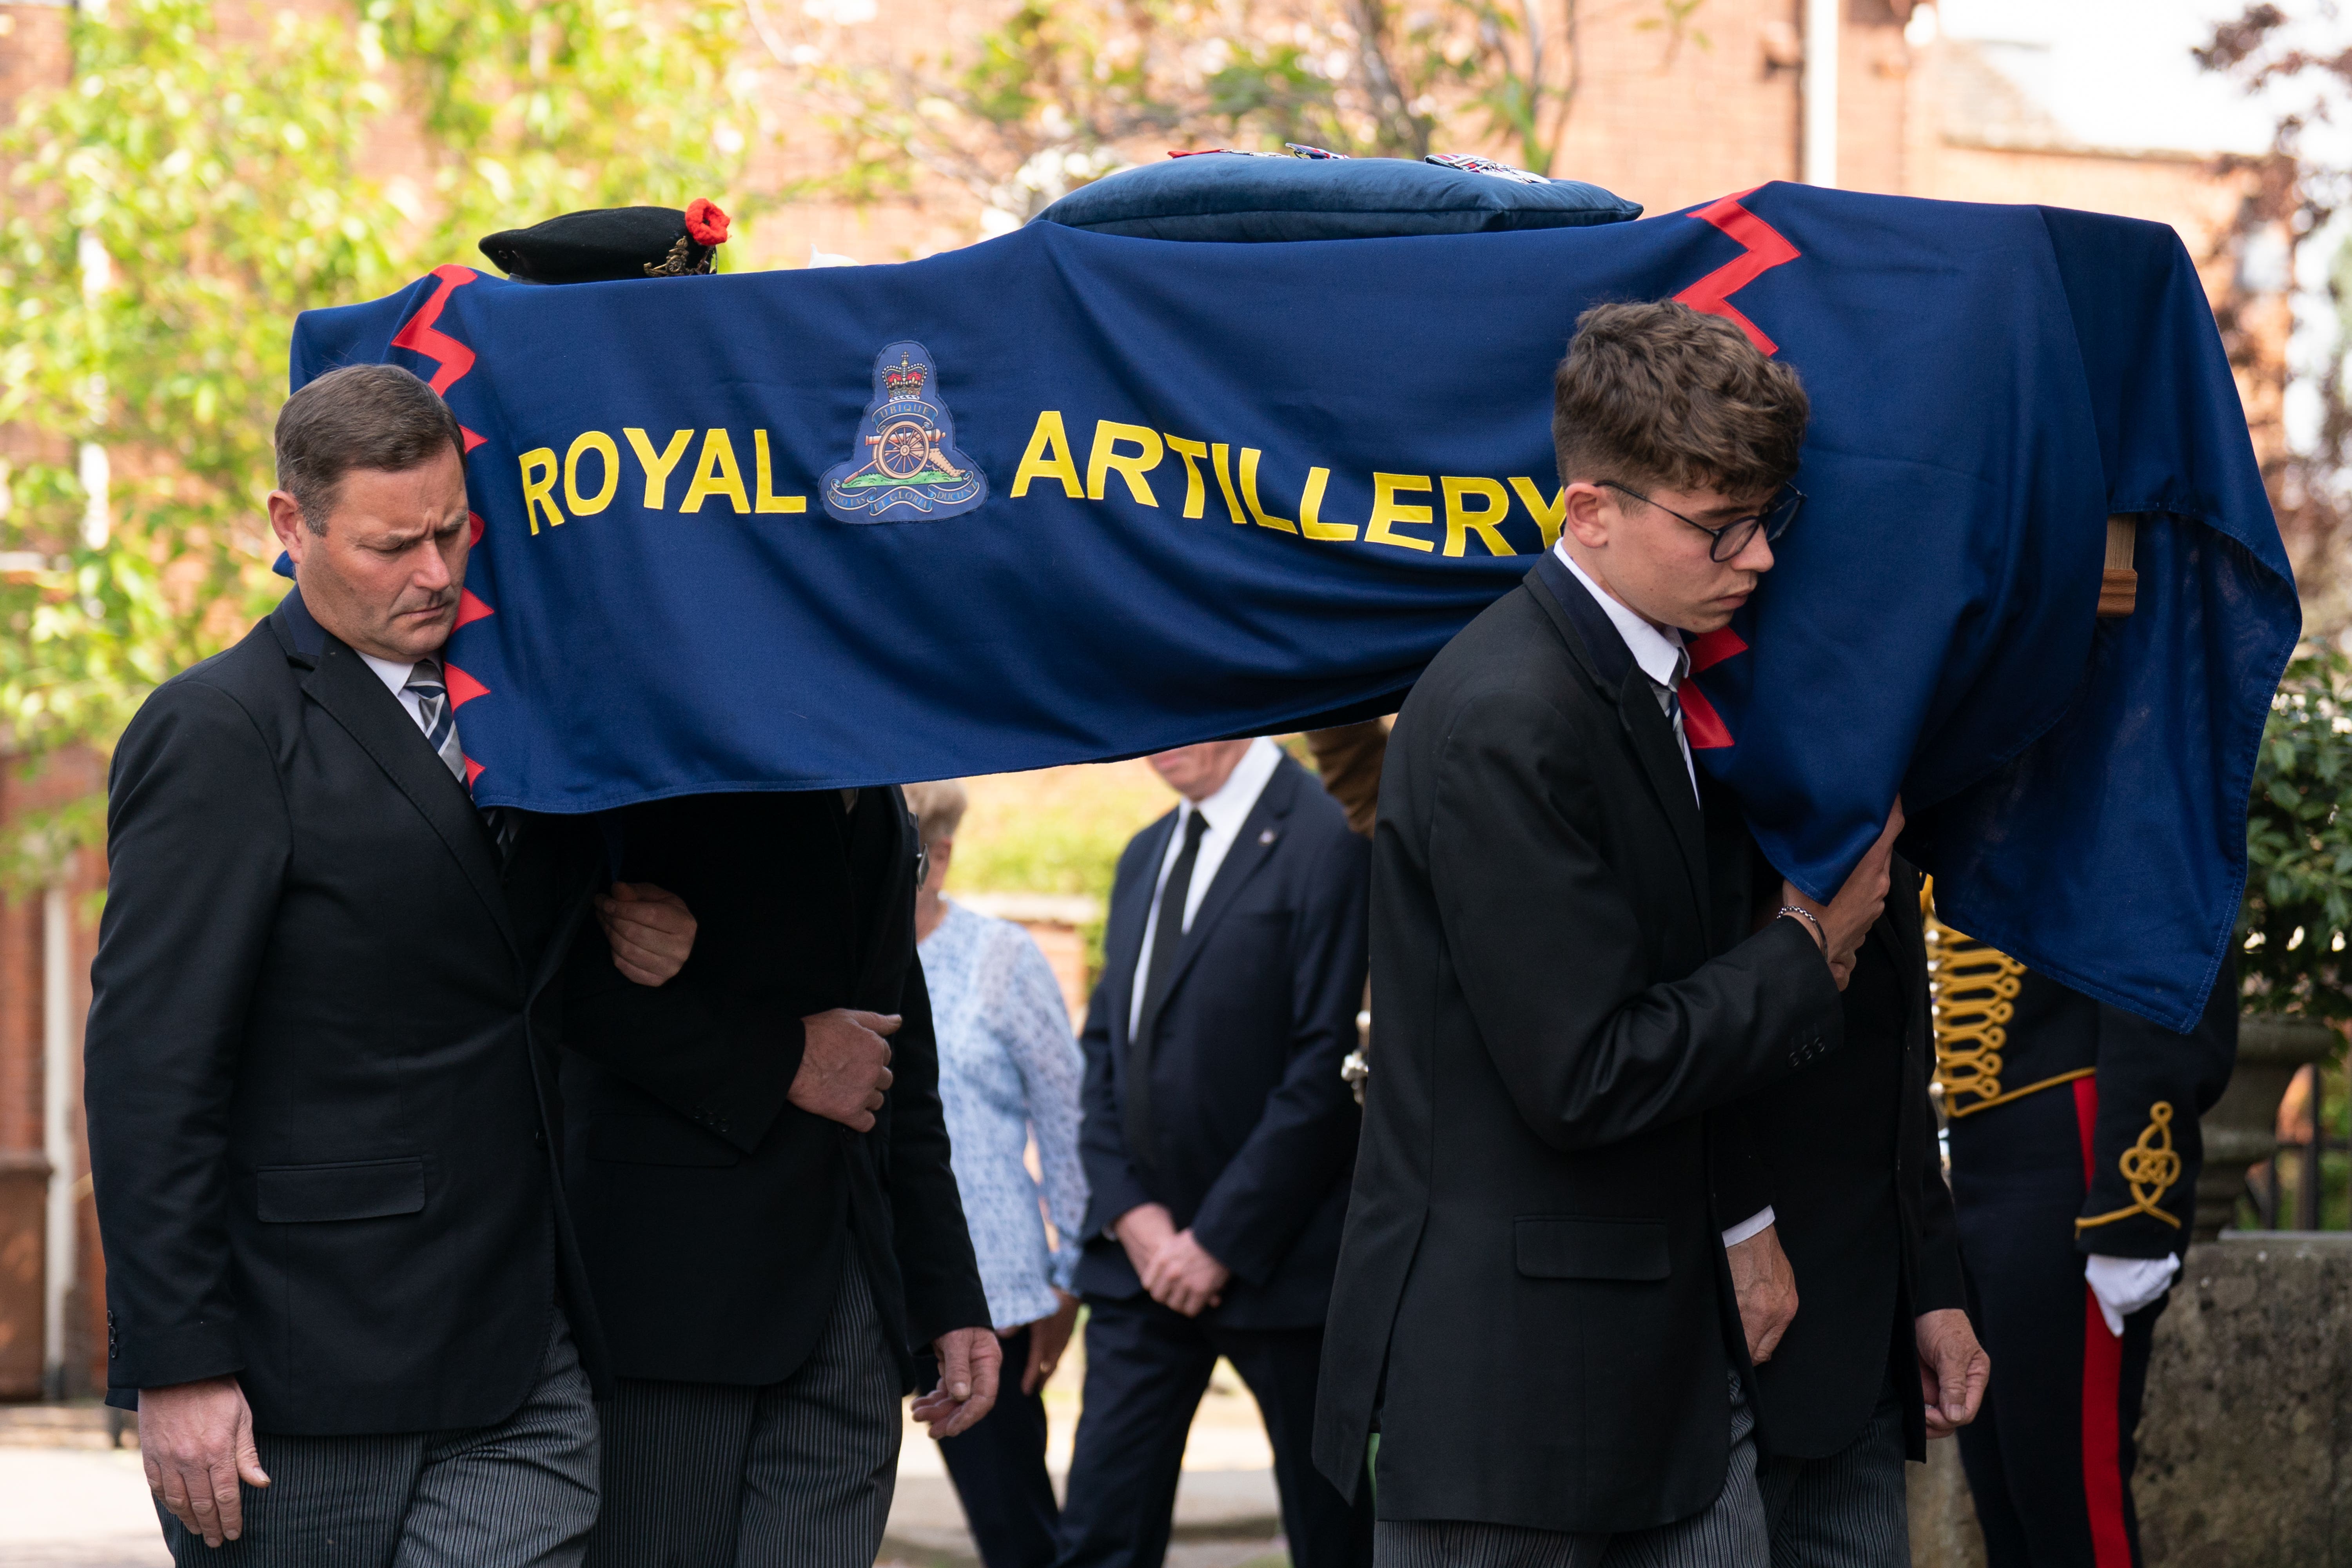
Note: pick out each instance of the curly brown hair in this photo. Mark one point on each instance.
(1657, 393)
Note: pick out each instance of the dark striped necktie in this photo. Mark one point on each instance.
(1670, 700)
(434, 715)
(1167, 936)
(1670, 703)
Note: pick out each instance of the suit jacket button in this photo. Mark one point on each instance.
(539, 1138)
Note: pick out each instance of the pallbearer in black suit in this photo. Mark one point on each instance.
(1218, 1140)
(1881, 1355)
(769, 1219)
(2076, 1150)
(1533, 1307)
(319, 1076)
(758, 1164)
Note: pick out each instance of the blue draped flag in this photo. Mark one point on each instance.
(1066, 497)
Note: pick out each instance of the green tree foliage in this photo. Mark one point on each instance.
(2298, 907)
(1061, 92)
(536, 106)
(170, 211)
(193, 189)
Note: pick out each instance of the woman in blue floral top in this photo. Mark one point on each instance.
(1009, 1066)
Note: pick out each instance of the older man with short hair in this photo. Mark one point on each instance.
(1217, 1140)
(341, 1290)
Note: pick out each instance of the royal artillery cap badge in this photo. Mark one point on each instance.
(905, 464)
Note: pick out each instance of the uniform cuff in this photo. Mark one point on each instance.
(167, 1357)
(2125, 1284)
(1754, 1224)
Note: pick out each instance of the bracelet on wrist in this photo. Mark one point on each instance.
(1820, 936)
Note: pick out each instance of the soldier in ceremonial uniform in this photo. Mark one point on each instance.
(2074, 1150)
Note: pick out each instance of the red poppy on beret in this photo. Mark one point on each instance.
(705, 222)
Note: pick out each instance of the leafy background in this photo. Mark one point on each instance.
(2298, 901)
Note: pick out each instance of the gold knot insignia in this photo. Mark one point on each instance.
(2150, 1166)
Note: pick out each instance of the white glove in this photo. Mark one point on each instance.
(2125, 1284)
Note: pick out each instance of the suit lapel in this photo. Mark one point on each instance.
(1733, 865)
(882, 832)
(357, 700)
(1661, 760)
(1123, 936)
(1253, 847)
(577, 879)
(1601, 651)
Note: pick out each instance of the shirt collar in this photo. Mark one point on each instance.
(310, 640)
(1659, 653)
(391, 672)
(1238, 796)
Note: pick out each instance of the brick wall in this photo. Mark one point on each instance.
(26, 1173)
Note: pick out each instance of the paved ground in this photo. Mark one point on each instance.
(77, 1508)
(68, 1501)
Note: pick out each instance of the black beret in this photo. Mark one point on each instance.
(608, 244)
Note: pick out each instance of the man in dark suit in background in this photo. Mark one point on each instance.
(1534, 1307)
(1218, 1141)
(320, 1103)
(1881, 1355)
(762, 1184)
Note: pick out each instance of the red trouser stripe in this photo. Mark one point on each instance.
(2102, 1371)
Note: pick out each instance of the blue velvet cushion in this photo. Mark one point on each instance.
(1238, 196)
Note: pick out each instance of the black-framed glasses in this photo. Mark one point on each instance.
(1732, 537)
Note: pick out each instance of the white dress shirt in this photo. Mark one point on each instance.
(394, 675)
(1226, 811)
(1660, 655)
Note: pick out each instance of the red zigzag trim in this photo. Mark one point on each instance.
(1765, 249)
(419, 335)
(1702, 725)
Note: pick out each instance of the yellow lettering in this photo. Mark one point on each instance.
(1225, 479)
(1387, 512)
(1548, 517)
(656, 467)
(716, 474)
(769, 501)
(1249, 494)
(1310, 510)
(594, 441)
(539, 491)
(1195, 493)
(1106, 457)
(1463, 520)
(1048, 458)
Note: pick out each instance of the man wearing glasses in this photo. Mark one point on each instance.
(1538, 1306)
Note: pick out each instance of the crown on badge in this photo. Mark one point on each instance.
(904, 379)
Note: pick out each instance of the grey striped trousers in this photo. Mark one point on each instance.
(796, 1475)
(520, 1493)
(1849, 1510)
(1730, 1534)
